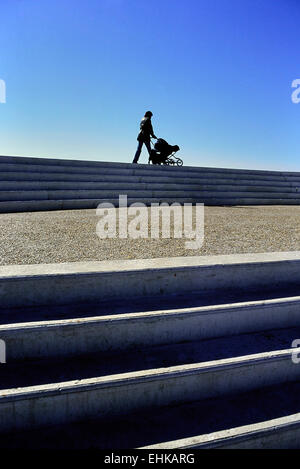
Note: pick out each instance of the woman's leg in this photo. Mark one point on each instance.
(138, 152)
(147, 143)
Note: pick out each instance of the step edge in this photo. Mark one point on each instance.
(133, 378)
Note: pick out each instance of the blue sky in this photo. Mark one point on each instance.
(216, 74)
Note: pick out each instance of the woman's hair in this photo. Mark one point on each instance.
(148, 114)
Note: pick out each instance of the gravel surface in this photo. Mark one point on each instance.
(70, 236)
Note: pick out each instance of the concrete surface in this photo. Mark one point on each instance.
(63, 402)
(18, 172)
(91, 282)
(230, 334)
(70, 236)
(279, 433)
(59, 338)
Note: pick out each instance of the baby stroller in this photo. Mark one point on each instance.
(163, 153)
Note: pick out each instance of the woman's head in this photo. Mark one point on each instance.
(148, 114)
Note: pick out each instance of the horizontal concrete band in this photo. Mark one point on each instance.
(28, 195)
(115, 165)
(137, 177)
(283, 432)
(92, 281)
(45, 205)
(128, 331)
(82, 282)
(170, 185)
(121, 394)
(146, 170)
(40, 205)
(24, 185)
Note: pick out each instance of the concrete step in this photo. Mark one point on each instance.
(191, 301)
(91, 282)
(60, 368)
(147, 195)
(140, 185)
(147, 170)
(94, 195)
(279, 433)
(71, 365)
(129, 331)
(35, 161)
(75, 204)
(120, 394)
(215, 179)
(263, 418)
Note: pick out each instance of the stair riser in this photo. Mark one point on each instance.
(141, 186)
(106, 194)
(71, 283)
(63, 338)
(148, 170)
(14, 179)
(79, 204)
(61, 403)
(46, 205)
(43, 162)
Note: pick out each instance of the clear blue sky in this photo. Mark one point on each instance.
(216, 74)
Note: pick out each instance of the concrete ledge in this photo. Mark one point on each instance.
(280, 433)
(201, 178)
(129, 331)
(149, 195)
(121, 394)
(74, 204)
(166, 184)
(85, 163)
(108, 164)
(82, 282)
(59, 166)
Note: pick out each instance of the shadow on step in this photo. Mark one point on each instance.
(44, 371)
(144, 304)
(165, 424)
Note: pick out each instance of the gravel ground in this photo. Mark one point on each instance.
(70, 236)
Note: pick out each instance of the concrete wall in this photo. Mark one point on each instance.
(28, 184)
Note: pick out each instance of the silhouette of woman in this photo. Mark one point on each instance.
(146, 131)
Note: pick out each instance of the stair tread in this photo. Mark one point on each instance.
(142, 305)
(45, 371)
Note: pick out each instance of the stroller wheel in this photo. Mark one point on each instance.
(179, 162)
